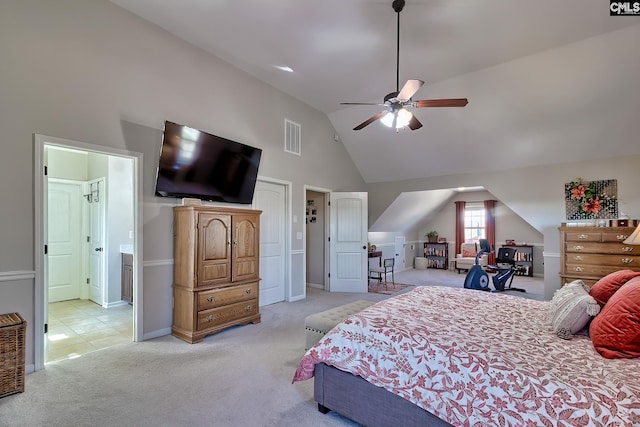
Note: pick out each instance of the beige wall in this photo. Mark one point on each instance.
(536, 194)
(86, 70)
(509, 225)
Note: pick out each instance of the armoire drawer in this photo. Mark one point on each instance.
(228, 313)
(220, 297)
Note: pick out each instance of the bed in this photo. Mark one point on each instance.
(445, 356)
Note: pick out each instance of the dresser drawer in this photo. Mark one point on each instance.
(584, 270)
(228, 313)
(569, 279)
(615, 236)
(583, 236)
(621, 261)
(601, 248)
(219, 297)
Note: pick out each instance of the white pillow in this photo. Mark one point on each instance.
(571, 309)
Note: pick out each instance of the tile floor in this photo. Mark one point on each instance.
(79, 326)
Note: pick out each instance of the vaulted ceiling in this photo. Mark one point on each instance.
(547, 80)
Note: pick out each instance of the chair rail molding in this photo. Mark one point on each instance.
(10, 276)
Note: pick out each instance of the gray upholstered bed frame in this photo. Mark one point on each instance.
(364, 403)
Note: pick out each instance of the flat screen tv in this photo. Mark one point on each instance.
(200, 165)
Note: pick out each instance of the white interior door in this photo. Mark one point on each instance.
(96, 241)
(399, 254)
(348, 242)
(271, 199)
(64, 234)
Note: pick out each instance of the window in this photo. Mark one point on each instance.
(474, 221)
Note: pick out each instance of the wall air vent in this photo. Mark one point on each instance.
(291, 137)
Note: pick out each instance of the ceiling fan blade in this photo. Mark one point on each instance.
(409, 89)
(414, 123)
(370, 120)
(452, 102)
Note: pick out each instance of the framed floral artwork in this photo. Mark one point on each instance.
(591, 199)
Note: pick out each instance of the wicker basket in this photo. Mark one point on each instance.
(12, 335)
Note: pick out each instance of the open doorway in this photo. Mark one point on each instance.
(316, 236)
(87, 283)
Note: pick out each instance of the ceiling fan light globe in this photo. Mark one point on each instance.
(387, 119)
(403, 119)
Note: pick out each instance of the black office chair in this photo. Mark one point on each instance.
(505, 269)
(387, 267)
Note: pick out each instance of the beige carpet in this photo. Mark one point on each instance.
(534, 286)
(388, 289)
(239, 377)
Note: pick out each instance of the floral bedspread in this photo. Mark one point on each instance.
(475, 358)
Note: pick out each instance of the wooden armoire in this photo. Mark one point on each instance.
(216, 270)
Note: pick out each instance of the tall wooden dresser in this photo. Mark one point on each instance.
(590, 253)
(216, 270)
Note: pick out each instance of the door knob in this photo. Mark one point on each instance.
(98, 249)
(364, 247)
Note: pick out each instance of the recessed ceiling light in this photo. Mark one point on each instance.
(284, 68)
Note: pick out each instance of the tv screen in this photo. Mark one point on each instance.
(204, 166)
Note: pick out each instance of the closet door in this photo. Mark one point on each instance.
(245, 248)
(214, 249)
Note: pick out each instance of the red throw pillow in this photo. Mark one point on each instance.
(604, 288)
(615, 332)
(466, 253)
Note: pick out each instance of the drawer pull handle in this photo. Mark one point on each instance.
(210, 318)
(578, 268)
(248, 308)
(578, 247)
(621, 236)
(578, 257)
(583, 236)
(627, 249)
(211, 298)
(248, 291)
(627, 260)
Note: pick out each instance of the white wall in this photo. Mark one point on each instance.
(86, 70)
(67, 164)
(119, 220)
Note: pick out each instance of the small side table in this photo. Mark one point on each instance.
(376, 254)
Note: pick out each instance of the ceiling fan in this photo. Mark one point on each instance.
(396, 113)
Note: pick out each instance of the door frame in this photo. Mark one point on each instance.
(40, 213)
(327, 222)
